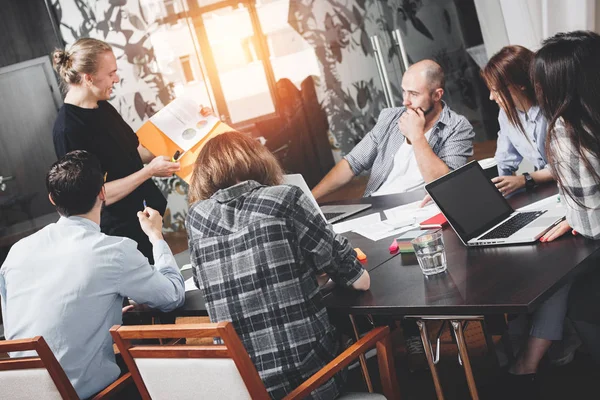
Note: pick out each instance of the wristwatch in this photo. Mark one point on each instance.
(529, 182)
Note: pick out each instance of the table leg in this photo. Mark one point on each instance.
(489, 342)
(429, 355)
(362, 359)
(462, 349)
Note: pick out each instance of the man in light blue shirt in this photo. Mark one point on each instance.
(67, 282)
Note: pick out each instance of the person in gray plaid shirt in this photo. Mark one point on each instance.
(410, 145)
(567, 84)
(258, 249)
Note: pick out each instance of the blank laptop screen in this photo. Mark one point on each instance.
(469, 200)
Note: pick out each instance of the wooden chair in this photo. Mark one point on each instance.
(226, 371)
(41, 376)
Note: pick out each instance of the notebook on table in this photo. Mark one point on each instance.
(435, 222)
(330, 214)
(479, 213)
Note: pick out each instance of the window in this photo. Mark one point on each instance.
(186, 67)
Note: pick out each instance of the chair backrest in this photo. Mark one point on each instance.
(35, 377)
(182, 371)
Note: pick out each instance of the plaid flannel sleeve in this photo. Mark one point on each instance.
(579, 191)
(326, 251)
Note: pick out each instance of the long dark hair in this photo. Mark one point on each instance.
(510, 67)
(566, 76)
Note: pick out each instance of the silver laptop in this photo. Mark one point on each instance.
(330, 214)
(481, 216)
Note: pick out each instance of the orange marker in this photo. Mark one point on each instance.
(360, 255)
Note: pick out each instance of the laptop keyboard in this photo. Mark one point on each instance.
(329, 216)
(512, 225)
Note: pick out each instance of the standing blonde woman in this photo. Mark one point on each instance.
(87, 121)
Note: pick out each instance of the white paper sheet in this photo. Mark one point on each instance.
(544, 204)
(186, 267)
(384, 229)
(412, 210)
(181, 121)
(190, 285)
(357, 223)
(298, 180)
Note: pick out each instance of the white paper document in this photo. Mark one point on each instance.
(544, 204)
(186, 267)
(298, 180)
(181, 121)
(412, 210)
(190, 285)
(357, 223)
(387, 228)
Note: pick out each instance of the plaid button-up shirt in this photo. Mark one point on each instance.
(451, 140)
(579, 182)
(256, 251)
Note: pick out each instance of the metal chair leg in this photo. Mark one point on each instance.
(429, 354)
(462, 349)
(362, 359)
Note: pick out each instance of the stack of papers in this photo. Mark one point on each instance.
(357, 223)
(404, 240)
(399, 220)
(412, 210)
(387, 228)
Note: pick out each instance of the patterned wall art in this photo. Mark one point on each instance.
(351, 88)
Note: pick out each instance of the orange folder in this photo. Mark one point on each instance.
(158, 143)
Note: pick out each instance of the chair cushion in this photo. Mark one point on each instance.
(192, 378)
(361, 396)
(24, 384)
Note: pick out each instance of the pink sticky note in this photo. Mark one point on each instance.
(394, 246)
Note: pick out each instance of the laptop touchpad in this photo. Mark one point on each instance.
(543, 222)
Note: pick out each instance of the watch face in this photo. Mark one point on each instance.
(529, 182)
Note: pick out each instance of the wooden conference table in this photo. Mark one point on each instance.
(479, 281)
(377, 254)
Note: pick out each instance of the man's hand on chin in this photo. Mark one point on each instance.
(412, 125)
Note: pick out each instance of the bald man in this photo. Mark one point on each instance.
(410, 145)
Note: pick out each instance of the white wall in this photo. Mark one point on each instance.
(528, 22)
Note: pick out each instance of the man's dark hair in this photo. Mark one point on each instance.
(74, 182)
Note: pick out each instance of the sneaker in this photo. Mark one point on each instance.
(417, 361)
